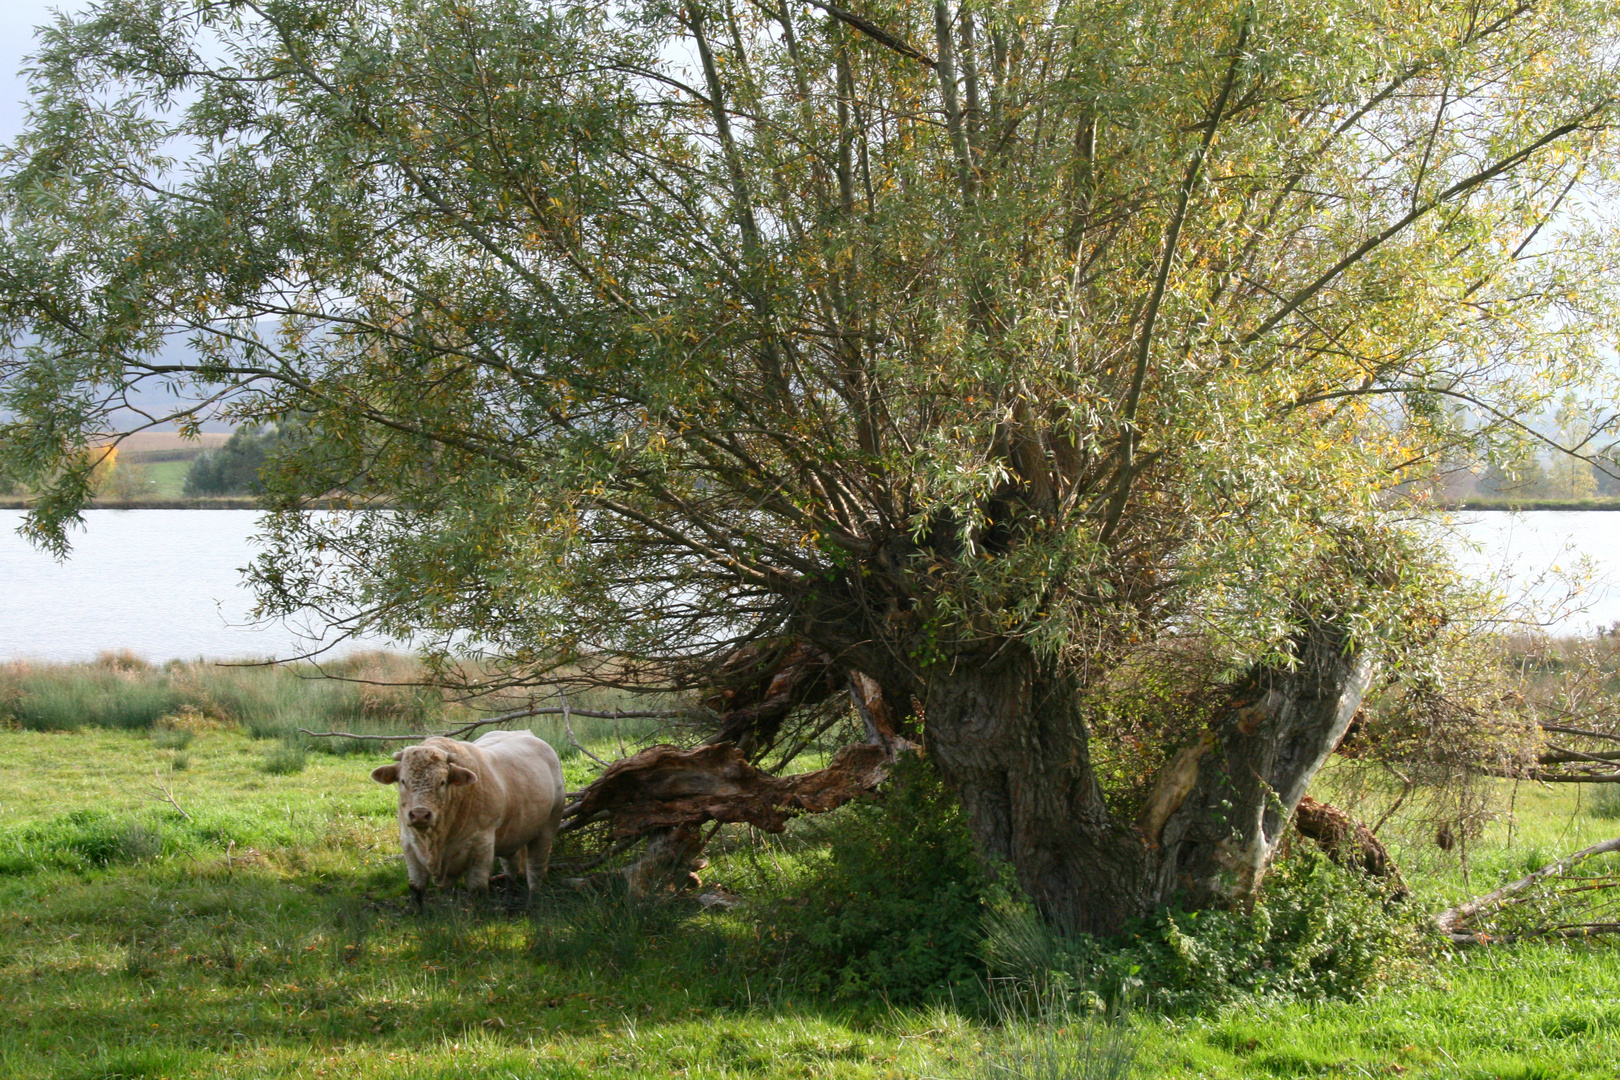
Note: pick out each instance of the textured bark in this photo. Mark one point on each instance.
(761, 684)
(1348, 842)
(1008, 738)
(1267, 747)
(665, 787)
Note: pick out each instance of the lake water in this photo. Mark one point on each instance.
(166, 584)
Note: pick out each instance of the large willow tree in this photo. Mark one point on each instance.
(983, 348)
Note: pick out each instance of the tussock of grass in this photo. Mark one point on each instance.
(172, 738)
(284, 760)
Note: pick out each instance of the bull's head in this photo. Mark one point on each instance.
(425, 775)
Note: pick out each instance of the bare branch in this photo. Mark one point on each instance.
(616, 714)
(875, 32)
(1450, 920)
(568, 726)
(165, 794)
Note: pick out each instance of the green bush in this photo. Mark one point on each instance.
(284, 759)
(894, 910)
(1317, 932)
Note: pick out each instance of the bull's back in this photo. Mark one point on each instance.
(527, 775)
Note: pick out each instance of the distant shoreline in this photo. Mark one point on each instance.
(1531, 504)
(220, 502)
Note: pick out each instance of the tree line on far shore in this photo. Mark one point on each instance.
(235, 468)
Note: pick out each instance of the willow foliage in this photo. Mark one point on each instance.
(909, 328)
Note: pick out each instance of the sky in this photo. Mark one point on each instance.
(17, 21)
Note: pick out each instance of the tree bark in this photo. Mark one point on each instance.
(1261, 755)
(1009, 737)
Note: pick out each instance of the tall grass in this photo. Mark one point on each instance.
(365, 694)
(69, 697)
(272, 701)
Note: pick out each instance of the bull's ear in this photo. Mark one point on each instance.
(398, 754)
(460, 776)
(386, 774)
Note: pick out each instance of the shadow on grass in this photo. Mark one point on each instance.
(118, 971)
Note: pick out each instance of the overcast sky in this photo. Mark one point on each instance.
(17, 21)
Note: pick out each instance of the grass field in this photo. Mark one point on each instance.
(260, 929)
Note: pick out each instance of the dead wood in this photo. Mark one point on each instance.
(761, 683)
(1452, 921)
(666, 794)
(1347, 841)
(666, 787)
(165, 793)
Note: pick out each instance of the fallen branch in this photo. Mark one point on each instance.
(667, 794)
(1450, 921)
(564, 711)
(568, 726)
(1545, 777)
(1347, 842)
(166, 794)
(1559, 755)
(665, 787)
(1563, 729)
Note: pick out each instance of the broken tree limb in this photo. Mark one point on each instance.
(761, 683)
(666, 794)
(1563, 729)
(668, 787)
(1450, 921)
(1347, 842)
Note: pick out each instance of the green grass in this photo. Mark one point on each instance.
(166, 479)
(266, 932)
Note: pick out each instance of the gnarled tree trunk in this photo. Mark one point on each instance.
(1009, 738)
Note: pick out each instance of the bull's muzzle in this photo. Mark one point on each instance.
(420, 817)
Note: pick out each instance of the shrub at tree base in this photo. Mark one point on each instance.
(896, 910)
(1318, 932)
(901, 909)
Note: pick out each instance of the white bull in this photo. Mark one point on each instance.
(463, 804)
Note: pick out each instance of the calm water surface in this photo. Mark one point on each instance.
(163, 584)
(167, 583)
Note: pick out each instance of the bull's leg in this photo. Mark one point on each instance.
(539, 857)
(416, 872)
(480, 861)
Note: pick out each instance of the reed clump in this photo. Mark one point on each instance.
(369, 694)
